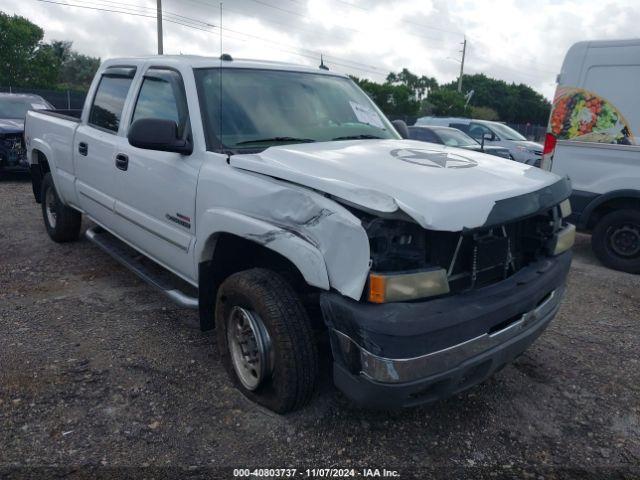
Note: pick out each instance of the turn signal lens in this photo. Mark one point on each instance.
(407, 286)
(377, 288)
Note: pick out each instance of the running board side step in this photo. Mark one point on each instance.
(123, 254)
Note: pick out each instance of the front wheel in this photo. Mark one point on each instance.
(616, 240)
(62, 222)
(265, 340)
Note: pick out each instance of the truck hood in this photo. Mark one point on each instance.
(11, 125)
(441, 188)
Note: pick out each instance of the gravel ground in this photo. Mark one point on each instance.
(100, 374)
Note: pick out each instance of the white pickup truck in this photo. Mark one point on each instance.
(286, 198)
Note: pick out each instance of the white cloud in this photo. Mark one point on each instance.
(520, 41)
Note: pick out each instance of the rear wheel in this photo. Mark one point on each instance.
(616, 240)
(62, 222)
(266, 341)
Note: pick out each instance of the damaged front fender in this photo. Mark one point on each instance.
(325, 241)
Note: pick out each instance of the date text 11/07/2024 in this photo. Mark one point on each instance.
(315, 473)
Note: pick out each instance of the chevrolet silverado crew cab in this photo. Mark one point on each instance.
(295, 211)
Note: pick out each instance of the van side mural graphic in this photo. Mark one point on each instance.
(584, 116)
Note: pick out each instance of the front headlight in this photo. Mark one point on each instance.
(564, 239)
(565, 208)
(400, 267)
(399, 287)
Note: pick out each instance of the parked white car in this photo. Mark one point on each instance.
(594, 138)
(289, 201)
(494, 134)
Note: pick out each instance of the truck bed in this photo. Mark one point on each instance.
(49, 135)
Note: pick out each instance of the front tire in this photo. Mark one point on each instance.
(62, 222)
(616, 240)
(265, 340)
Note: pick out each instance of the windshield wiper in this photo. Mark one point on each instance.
(277, 139)
(363, 136)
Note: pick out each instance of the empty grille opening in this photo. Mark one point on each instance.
(474, 259)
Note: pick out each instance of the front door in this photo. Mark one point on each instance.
(155, 204)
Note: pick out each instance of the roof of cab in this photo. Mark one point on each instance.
(196, 61)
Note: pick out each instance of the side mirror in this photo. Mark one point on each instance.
(401, 128)
(487, 136)
(158, 134)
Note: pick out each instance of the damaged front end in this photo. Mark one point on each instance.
(454, 262)
(442, 310)
(13, 154)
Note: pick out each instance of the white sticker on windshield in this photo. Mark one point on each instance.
(38, 106)
(366, 115)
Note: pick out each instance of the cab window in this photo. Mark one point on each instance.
(109, 99)
(162, 96)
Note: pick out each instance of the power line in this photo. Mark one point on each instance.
(298, 14)
(139, 14)
(151, 10)
(367, 67)
(120, 11)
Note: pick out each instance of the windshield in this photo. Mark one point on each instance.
(455, 138)
(506, 133)
(261, 108)
(18, 107)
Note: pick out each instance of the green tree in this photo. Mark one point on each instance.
(447, 103)
(516, 103)
(76, 70)
(420, 85)
(393, 100)
(484, 113)
(25, 61)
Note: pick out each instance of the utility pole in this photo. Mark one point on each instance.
(464, 51)
(159, 18)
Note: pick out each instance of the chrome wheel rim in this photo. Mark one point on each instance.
(250, 347)
(50, 207)
(625, 240)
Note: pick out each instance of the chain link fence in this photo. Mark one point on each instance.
(63, 99)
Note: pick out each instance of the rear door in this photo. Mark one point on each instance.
(94, 145)
(155, 205)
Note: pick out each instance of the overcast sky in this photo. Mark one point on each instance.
(522, 41)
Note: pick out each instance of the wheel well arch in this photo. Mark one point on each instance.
(607, 203)
(39, 168)
(228, 253)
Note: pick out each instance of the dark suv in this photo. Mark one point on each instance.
(13, 110)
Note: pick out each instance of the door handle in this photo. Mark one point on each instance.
(122, 161)
(83, 149)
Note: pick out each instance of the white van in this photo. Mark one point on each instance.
(593, 137)
(494, 133)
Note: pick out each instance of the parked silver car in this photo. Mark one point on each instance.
(494, 133)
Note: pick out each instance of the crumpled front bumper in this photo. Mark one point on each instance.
(410, 353)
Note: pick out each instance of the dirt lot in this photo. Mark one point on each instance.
(99, 370)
